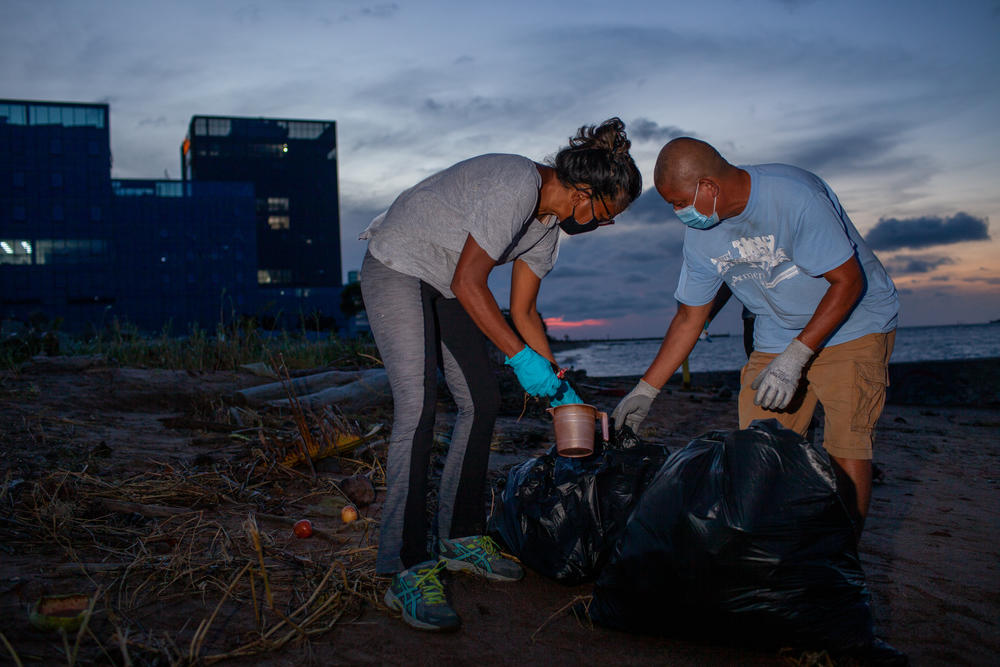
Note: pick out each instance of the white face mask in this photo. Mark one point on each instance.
(693, 218)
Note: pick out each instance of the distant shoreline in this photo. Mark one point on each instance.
(970, 383)
(558, 344)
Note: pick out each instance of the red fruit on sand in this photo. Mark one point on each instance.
(303, 528)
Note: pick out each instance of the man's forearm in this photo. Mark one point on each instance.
(833, 309)
(677, 344)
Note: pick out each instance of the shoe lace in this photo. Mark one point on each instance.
(491, 548)
(429, 585)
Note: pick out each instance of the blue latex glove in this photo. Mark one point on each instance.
(565, 395)
(534, 372)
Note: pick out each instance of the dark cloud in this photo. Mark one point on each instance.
(643, 129)
(989, 280)
(926, 231)
(906, 264)
(851, 150)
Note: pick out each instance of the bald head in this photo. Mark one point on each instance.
(684, 161)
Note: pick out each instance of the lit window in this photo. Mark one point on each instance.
(273, 276)
(15, 251)
(277, 203)
(278, 221)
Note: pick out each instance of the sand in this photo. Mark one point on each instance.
(930, 548)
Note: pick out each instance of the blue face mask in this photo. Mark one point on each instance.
(691, 217)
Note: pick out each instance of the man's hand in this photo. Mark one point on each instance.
(534, 372)
(777, 383)
(632, 409)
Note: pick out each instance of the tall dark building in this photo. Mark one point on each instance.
(78, 246)
(293, 167)
(56, 227)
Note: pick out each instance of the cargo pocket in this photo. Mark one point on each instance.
(871, 379)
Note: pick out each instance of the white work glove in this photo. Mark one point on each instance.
(632, 409)
(777, 383)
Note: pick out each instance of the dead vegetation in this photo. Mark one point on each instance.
(196, 562)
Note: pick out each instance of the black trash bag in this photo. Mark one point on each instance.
(562, 516)
(742, 539)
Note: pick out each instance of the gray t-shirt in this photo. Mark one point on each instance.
(490, 197)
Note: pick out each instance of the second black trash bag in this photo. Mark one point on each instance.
(742, 538)
(561, 516)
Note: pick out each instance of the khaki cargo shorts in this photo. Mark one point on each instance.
(848, 379)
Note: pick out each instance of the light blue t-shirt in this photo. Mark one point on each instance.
(773, 256)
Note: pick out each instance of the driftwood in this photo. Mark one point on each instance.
(341, 388)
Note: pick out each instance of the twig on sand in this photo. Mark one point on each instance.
(583, 600)
(10, 649)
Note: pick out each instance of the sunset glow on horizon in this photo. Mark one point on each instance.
(560, 323)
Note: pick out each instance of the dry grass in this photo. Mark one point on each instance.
(212, 547)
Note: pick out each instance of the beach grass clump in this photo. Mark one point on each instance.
(228, 347)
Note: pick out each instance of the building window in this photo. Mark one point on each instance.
(57, 212)
(170, 189)
(200, 127)
(57, 179)
(55, 147)
(304, 130)
(18, 179)
(70, 251)
(278, 221)
(219, 127)
(67, 116)
(14, 114)
(95, 213)
(19, 212)
(277, 204)
(274, 276)
(15, 251)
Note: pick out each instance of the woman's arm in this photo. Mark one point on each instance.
(470, 287)
(523, 310)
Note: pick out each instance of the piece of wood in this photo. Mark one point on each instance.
(371, 389)
(308, 384)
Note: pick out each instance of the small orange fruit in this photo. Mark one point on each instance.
(349, 514)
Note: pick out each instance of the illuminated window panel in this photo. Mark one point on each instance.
(278, 221)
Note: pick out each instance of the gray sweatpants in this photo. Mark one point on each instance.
(416, 330)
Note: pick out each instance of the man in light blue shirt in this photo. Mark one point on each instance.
(825, 307)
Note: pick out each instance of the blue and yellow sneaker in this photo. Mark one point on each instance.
(480, 555)
(419, 595)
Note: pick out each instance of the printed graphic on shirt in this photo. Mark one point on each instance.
(755, 259)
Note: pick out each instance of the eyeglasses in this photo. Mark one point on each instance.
(593, 213)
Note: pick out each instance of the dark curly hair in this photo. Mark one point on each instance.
(598, 157)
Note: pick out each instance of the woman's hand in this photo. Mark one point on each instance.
(535, 373)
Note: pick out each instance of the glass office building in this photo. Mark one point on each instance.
(188, 251)
(77, 245)
(56, 228)
(293, 166)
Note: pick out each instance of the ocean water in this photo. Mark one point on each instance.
(632, 357)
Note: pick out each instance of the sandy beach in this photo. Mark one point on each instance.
(929, 551)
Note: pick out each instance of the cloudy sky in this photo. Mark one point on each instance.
(894, 102)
